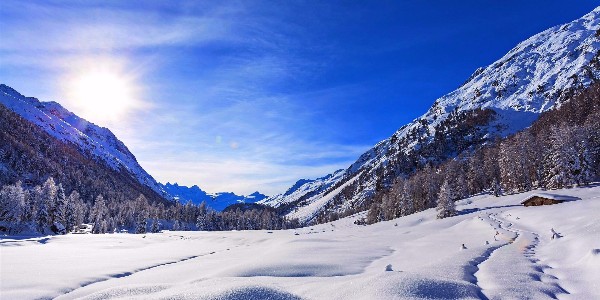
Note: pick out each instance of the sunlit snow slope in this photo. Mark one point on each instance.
(93, 141)
(508, 254)
(498, 100)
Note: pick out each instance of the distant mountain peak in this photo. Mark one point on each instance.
(217, 201)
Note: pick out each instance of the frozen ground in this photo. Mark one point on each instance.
(509, 255)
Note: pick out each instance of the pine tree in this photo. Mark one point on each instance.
(176, 226)
(388, 206)
(42, 216)
(201, 222)
(406, 203)
(98, 214)
(141, 214)
(455, 177)
(476, 174)
(202, 208)
(497, 188)
(62, 213)
(155, 226)
(446, 207)
(103, 227)
(113, 225)
(141, 222)
(374, 215)
(49, 191)
(584, 148)
(31, 206)
(432, 186)
(12, 205)
(561, 159)
(507, 166)
(76, 209)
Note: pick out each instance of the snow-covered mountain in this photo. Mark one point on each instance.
(496, 101)
(302, 190)
(217, 201)
(95, 142)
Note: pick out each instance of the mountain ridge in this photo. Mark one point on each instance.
(496, 101)
(217, 201)
(94, 141)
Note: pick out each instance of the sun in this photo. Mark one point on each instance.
(101, 95)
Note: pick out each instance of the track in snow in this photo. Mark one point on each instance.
(129, 273)
(501, 275)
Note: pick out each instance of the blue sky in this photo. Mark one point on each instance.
(253, 95)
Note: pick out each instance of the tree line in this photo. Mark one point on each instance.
(47, 208)
(560, 150)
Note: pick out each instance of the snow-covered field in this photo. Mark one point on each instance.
(509, 255)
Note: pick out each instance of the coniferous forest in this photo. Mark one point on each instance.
(47, 208)
(560, 150)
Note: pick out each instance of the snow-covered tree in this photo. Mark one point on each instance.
(375, 214)
(103, 228)
(456, 178)
(155, 225)
(176, 226)
(446, 207)
(61, 208)
(76, 209)
(42, 216)
(584, 145)
(141, 214)
(562, 160)
(476, 180)
(202, 222)
(49, 191)
(98, 214)
(141, 224)
(12, 205)
(406, 203)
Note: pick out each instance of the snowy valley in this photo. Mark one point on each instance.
(439, 210)
(509, 253)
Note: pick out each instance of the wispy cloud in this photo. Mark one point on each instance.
(217, 81)
(77, 26)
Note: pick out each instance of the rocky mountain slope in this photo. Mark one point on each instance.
(96, 145)
(498, 100)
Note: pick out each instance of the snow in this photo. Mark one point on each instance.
(68, 127)
(310, 211)
(508, 254)
(217, 201)
(304, 187)
(521, 85)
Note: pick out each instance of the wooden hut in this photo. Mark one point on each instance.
(544, 199)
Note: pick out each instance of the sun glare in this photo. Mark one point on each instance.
(102, 95)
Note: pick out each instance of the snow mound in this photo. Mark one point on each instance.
(592, 258)
(254, 293)
(297, 270)
(428, 288)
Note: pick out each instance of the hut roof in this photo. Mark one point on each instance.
(550, 196)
